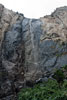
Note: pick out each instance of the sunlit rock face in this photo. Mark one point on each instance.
(30, 49)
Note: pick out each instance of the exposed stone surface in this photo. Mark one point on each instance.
(30, 49)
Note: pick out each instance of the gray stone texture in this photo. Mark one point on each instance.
(30, 49)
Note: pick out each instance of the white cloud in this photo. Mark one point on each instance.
(34, 8)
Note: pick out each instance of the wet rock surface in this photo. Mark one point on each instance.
(30, 49)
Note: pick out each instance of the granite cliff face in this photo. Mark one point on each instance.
(30, 49)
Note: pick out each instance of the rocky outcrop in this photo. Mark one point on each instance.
(11, 53)
(30, 49)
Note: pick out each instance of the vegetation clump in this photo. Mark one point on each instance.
(65, 67)
(53, 89)
(45, 91)
(59, 76)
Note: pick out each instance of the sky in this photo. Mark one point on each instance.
(33, 8)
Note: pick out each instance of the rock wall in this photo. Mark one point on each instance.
(30, 49)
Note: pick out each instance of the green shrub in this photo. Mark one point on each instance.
(65, 67)
(65, 84)
(59, 76)
(50, 90)
(45, 91)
